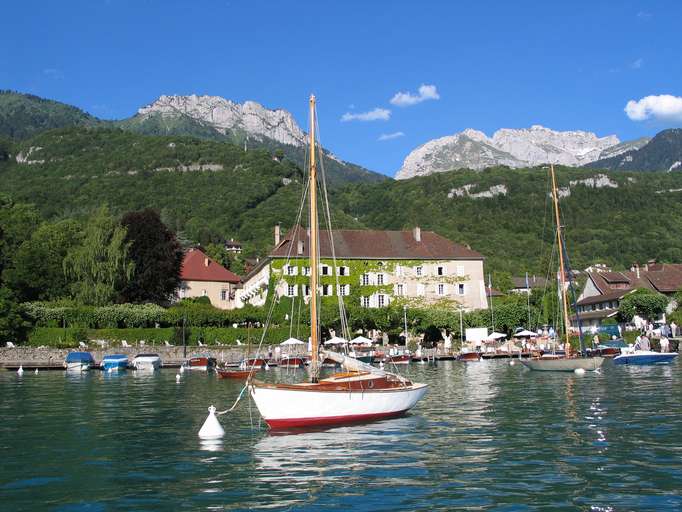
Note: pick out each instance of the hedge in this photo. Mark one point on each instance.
(71, 336)
(138, 315)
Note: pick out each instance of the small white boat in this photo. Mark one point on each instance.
(147, 362)
(79, 361)
(115, 362)
(563, 364)
(642, 357)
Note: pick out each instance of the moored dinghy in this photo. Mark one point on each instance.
(645, 357)
(79, 361)
(147, 362)
(114, 362)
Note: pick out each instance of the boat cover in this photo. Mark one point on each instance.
(79, 357)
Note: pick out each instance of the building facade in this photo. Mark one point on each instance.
(201, 276)
(373, 268)
(603, 291)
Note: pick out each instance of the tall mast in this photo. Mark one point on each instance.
(562, 268)
(314, 239)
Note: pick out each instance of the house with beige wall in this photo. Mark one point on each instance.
(201, 276)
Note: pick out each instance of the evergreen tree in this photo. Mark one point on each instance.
(157, 256)
(100, 266)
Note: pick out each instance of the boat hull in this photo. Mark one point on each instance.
(147, 363)
(645, 358)
(284, 408)
(233, 374)
(78, 367)
(469, 356)
(562, 364)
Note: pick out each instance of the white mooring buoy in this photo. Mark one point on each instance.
(182, 369)
(579, 371)
(512, 362)
(20, 371)
(211, 429)
(177, 378)
(36, 372)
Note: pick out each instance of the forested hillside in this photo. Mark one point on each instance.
(209, 191)
(617, 219)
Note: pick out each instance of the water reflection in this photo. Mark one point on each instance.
(486, 436)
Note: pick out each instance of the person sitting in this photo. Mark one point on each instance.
(644, 343)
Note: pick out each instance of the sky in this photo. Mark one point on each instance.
(389, 76)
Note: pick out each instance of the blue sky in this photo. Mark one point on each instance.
(565, 65)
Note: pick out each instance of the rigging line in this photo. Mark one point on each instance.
(273, 300)
(326, 213)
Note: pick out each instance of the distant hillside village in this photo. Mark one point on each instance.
(376, 268)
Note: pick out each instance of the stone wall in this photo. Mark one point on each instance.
(31, 356)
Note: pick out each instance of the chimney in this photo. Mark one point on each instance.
(417, 232)
(206, 261)
(277, 235)
(299, 248)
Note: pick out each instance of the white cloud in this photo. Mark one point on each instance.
(664, 107)
(637, 64)
(407, 99)
(391, 136)
(377, 114)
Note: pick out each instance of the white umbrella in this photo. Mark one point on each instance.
(525, 334)
(360, 340)
(335, 341)
(496, 336)
(292, 341)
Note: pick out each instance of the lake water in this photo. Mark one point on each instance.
(487, 436)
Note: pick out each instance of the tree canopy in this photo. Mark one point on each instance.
(642, 302)
(156, 255)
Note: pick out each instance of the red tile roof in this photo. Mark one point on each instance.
(660, 277)
(372, 244)
(196, 266)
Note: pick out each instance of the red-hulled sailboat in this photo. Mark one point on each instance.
(361, 393)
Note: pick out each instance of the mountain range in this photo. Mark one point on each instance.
(250, 125)
(515, 148)
(208, 188)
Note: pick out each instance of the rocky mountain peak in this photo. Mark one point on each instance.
(250, 117)
(526, 147)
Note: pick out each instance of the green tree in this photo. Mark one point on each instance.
(642, 302)
(157, 257)
(99, 266)
(511, 312)
(13, 324)
(37, 271)
(17, 223)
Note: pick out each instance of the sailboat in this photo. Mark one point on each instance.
(361, 393)
(567, 362)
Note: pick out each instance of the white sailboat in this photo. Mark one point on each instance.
(361, 393)
(568, 362)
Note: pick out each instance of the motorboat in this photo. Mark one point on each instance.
(201, 363)
(114, 362)
(224, 373)
(147, 362)
(469, 357)
(258, 363)
(398, 359)
(79, 361)
(292, 362)
(644, 357)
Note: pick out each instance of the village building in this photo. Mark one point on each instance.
(528, 284)
(374, 268)
(233, 246)
(600, 299)
(201, 276)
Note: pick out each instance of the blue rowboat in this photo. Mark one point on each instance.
(642, 357)
(115, 362)
(79, 361)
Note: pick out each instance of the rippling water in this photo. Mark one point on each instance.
(487, 436)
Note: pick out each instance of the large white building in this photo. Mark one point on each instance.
(373, 268)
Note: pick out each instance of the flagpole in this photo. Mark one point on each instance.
(528, 290)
